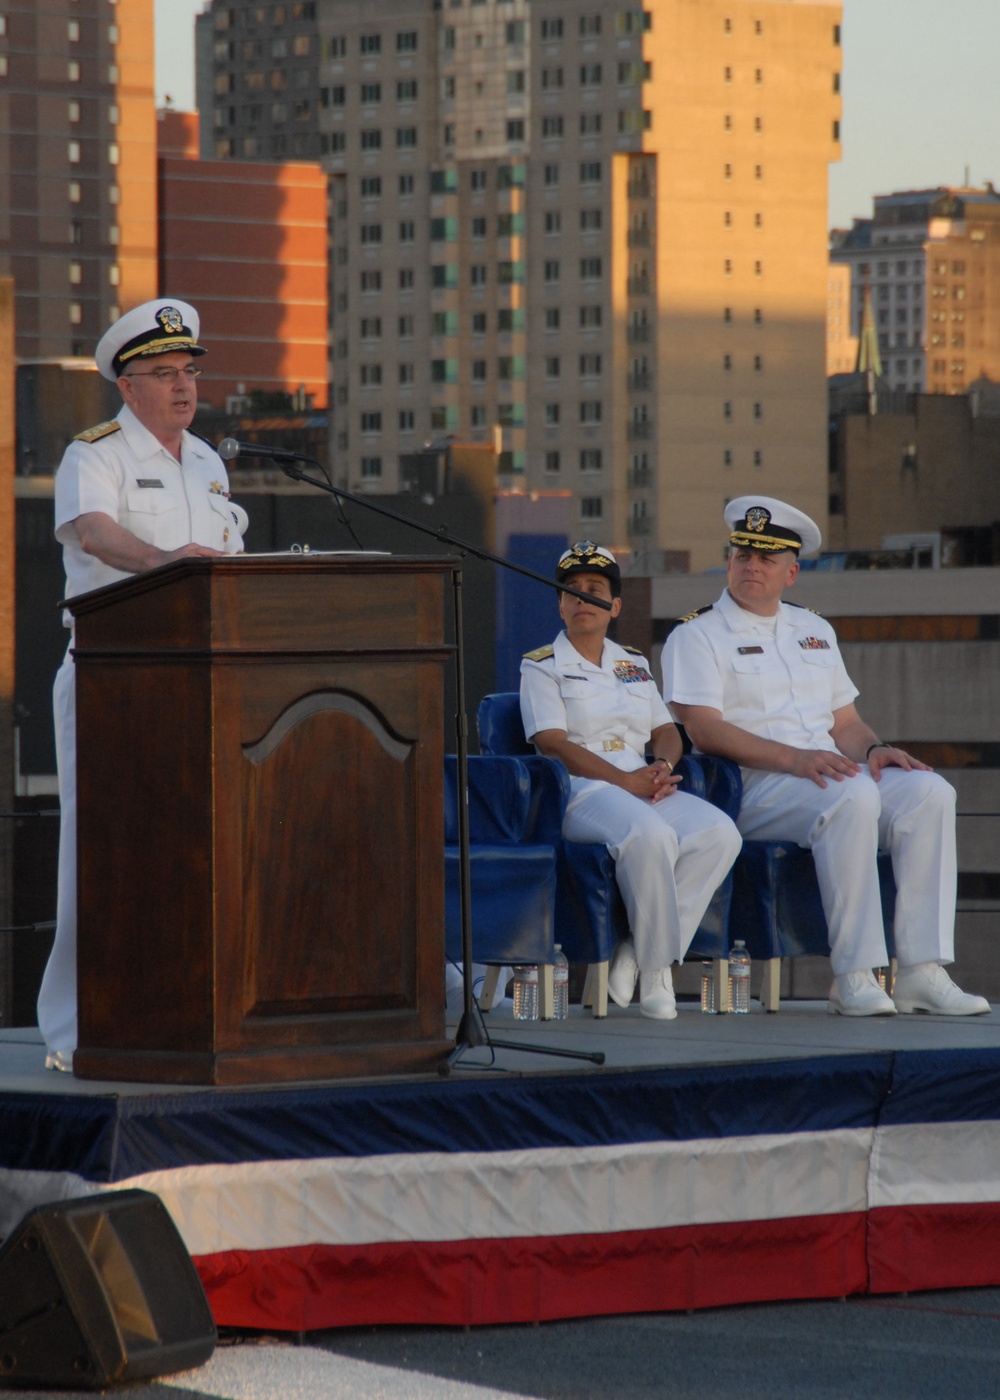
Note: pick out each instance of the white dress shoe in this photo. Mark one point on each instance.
(623, 973)
(656, 994)
(60, 1059)
(858, 994)
(927, 987)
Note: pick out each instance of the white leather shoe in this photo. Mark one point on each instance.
(927, 987)
(656, 994)
(60, 1059)
(623, 973)
(858, 994)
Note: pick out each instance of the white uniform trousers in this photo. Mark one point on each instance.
(670, 857)
(910, 815)
(57, 996)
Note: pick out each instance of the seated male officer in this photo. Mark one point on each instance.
(761, 681)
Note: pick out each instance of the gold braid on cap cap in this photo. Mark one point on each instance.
(757, 531)
(586, 552)
(744, 540)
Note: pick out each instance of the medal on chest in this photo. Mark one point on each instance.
(628, 672)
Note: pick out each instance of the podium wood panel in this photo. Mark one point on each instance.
(260, 826)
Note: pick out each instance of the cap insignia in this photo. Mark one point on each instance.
(170, 320)
(758, 519)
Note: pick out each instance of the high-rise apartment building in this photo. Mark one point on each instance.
(592, 233)
(77, 168)
(931, 259)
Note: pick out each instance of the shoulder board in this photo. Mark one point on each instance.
(539, 654)
(689, 617)
(805, 609)
(102, 430)
(632, 651)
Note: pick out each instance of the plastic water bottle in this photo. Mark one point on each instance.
(739, 978)
(707, 989)
(560, 985)
(526, 994)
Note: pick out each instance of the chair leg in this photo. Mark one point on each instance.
(770, 987)
(488, 994)
(546, 992)
(720, 976)
(595, 988)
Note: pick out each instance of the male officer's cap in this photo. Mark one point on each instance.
(761, 522)
(155, 328)
(585, 557)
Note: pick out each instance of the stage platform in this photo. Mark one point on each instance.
(710, 1160)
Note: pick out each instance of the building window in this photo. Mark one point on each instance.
(590, 124)
(371, 140)
(371, 281)
(591, 220)
(590, 411)
(477, 275)
(406, 137)
(371, 467)
(590, 172)
(371, 186)
(407, 420)
(590, 75)
(550, 175)
(553, 221)
(591, 459)
(73, 152)
(478, 373)
(553, 461)
(590, 365)
(371, 422)
(406, 42)
(552, 126)
(591, 508)
(371, 92)
(589, 26)
(552, 78)
(551, 270)
(552, 29)
(370, 43)
(590, 317)
(552, 318)
(478, 323)
(371, 233)
(371, 327)
(370, 375)
(515, 130)
(406, 279)
(406, 184)
(551, 415)
(552, 367)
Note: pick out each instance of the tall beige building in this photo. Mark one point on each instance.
(77, 167)
(592, 233)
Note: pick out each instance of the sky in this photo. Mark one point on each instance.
(920, 91)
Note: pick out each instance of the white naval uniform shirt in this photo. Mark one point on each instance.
(782, 684)
(131, 477)
(617, 700)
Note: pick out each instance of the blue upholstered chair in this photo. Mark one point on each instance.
(590, 914)
(516, 808)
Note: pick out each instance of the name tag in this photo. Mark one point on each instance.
(149, 481)
(751, 651)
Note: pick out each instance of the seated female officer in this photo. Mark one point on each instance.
(595, 706)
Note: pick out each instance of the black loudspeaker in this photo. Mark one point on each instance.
(97, 1291)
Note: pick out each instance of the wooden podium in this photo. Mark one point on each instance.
(260, 769)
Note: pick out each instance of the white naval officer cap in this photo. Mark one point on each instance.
(761, 522)
(154, 328)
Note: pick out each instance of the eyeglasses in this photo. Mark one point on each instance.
(167, 376)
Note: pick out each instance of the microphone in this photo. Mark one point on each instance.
(229, 448)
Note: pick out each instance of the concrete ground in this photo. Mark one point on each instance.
(921, 1347)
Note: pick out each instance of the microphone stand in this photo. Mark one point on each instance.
(472, 1031)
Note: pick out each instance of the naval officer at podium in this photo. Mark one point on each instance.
(130, 495)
